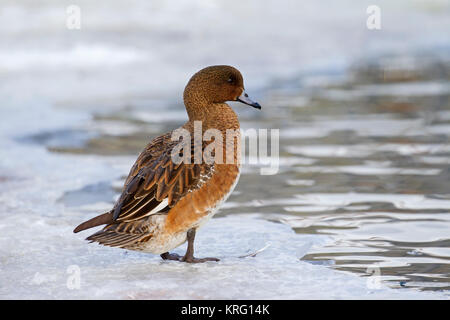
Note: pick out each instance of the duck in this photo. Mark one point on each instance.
(172, 190)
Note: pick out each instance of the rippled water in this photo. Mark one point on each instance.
(366, 162)
(364, 140)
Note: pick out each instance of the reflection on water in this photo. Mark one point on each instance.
(365, 163)
(379, 179)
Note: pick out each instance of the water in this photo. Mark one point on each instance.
(379, 180)
(363, 185)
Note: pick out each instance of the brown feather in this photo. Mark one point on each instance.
(155, 178)
(152, 179)
(105, 218)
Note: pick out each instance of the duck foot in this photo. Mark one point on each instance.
(198, 260)
(171, 256)
(189, 256)
(177, 257)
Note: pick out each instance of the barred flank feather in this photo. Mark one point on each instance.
(125, 234)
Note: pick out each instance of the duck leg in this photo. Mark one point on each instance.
(189, 256)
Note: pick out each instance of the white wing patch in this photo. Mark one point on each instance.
(159, 207)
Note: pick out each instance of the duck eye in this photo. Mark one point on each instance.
(230, 80)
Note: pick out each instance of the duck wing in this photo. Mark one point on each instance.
(155, 183)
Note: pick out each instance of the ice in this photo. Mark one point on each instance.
(79, 56)
(411, 89)
(401, 201)
(363, 150)
(43, 267)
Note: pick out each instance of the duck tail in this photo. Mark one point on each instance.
(106, 218)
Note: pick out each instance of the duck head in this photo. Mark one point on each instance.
(216, 84)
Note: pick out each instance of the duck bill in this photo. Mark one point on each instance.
(244, 98)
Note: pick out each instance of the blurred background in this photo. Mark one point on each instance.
(364, 119)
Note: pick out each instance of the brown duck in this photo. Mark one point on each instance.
(163, 201)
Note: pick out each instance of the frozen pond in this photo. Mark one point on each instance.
(360, 206)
